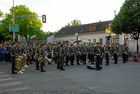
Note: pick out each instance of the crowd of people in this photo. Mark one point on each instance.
(62, 54)
(4, 53)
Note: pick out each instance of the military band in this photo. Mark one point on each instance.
(63, 55)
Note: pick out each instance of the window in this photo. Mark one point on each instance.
(92, 28)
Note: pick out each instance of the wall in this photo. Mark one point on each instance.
(84, 36)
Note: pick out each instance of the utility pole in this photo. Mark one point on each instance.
(13, 21)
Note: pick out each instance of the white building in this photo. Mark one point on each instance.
(94, 32)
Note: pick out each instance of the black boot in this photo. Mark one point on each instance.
(43, 71)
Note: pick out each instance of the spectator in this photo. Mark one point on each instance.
(1, 53)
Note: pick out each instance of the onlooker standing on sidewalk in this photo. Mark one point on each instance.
(1, 53)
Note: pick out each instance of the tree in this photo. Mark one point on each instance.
(74, 23)
(127, 21)
(29, 23)
(1, 13)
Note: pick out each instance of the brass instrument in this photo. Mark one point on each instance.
(47, 59)
(24, 60)
(18, 62)
(30, 56)
(41, 59)
(35, 56)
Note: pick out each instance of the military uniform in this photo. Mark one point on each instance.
(106, 49)
(125, 53)
(98, 56)
(42, 55)
(28, 55)
(84, 53)
(91, 54)
(55, 54)
(31, 51)
(78, 53)
(13, 56)
(72, 54)
(62, 53)
(49, 51)
(67, 55)
(115, 51)
(58, 56)
(36, 56)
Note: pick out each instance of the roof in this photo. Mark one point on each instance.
(100, 26)
(38, 38)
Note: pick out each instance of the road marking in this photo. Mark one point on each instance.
(15, 89)
(4, 75)
(6, 79)
(1, 72)
(93, 87)
(14, 83)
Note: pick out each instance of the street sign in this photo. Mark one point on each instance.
(108, 30)
(13, 28)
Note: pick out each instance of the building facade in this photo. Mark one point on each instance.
(94, 32)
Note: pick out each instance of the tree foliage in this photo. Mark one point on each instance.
(29, 23)
(1, 13)
(128, 19)
(73, 23)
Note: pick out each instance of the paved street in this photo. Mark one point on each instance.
(112, 79)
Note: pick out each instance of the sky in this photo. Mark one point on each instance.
(60, 12)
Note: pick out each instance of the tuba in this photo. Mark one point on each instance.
(24, 60)
(35, 56)
(18, 64)
(40, 58)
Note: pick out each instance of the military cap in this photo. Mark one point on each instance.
(59, 42)
(13, 43)
(37, 44)
(97, 43)
(18, 42)
(42, 44)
